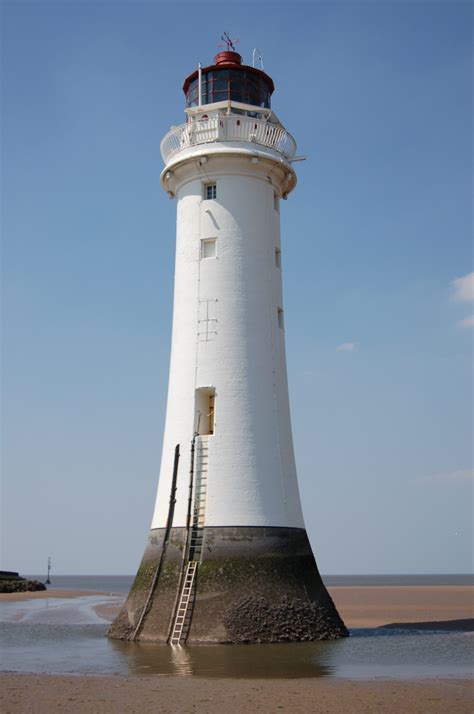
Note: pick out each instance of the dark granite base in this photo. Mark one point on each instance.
(254, 584)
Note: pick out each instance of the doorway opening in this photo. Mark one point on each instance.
(205, 410)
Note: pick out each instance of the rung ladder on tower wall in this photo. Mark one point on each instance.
(182, 621)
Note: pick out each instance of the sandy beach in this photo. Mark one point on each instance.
(367, 606)
(176, 695)
(41, 594)
(359, 606)
(382, 605)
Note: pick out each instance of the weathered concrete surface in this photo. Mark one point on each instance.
(255, 584)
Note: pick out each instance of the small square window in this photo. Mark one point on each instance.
(210, 191)
(208, 248)
(280, 318)
(278, 258)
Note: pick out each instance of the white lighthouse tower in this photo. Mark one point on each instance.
(228, 558)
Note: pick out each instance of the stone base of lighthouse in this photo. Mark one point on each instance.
(254, 584)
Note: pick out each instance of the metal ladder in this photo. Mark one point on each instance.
(182, 621)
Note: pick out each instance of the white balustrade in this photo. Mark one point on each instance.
(227, 128)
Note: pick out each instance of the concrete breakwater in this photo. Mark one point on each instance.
(11, 582)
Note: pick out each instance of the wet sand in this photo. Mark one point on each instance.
(50, 592)
(368, 606)
(359, 606)
(176, 695)
(372, 606)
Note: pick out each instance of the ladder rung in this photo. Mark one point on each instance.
(184, 611)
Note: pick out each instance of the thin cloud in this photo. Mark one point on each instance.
(347, 347)
(466, 322)
(451, 477)
(464, 288)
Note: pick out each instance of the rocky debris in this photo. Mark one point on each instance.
(257, 619)
(121, 628)
(12, 583)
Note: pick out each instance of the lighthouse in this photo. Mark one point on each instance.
(228, 559)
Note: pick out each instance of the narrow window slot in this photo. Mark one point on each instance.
(278, 258)
(280, 318)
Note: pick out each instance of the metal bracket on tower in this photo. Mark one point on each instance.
(207, 322)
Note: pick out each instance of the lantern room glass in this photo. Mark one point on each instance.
(220, 85)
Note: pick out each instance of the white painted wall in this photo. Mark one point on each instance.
(252, 476)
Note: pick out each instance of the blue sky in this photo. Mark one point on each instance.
(378, 97)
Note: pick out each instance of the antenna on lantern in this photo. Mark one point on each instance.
(260, 58)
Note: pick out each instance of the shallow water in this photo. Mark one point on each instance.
(66, 636)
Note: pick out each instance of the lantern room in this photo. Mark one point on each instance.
(228, 80)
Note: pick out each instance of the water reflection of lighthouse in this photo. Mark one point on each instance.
(228, 558)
